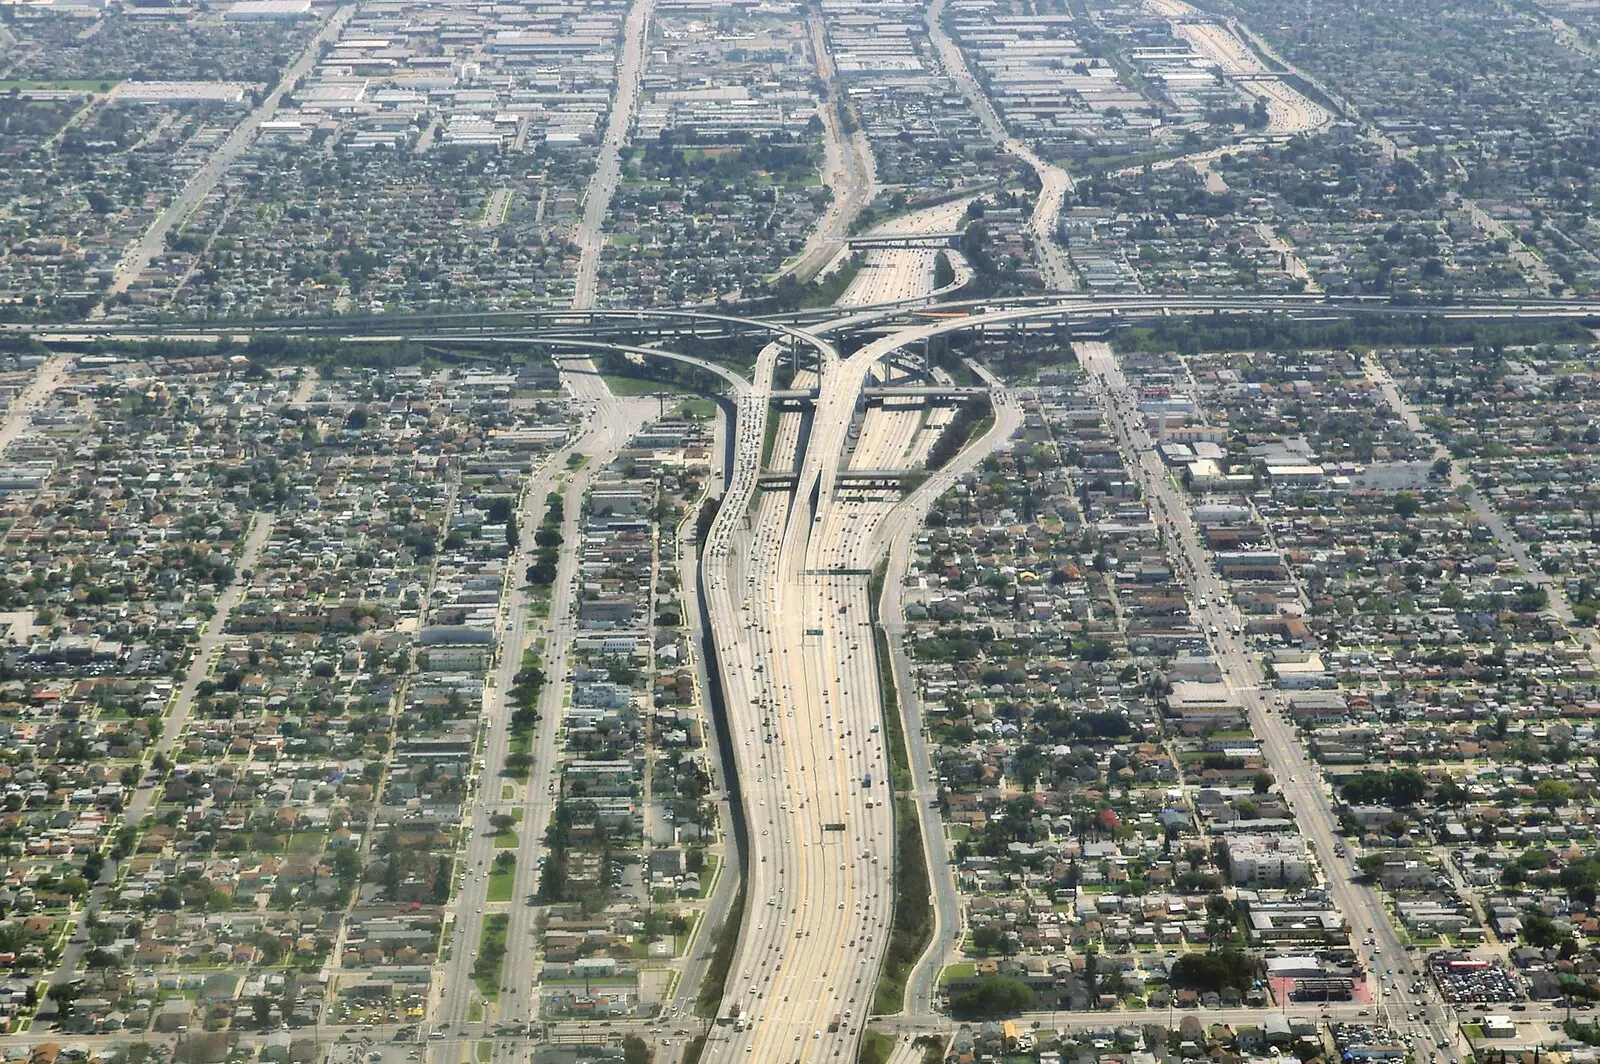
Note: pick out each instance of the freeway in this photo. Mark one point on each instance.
(787, 581)
(1085, 308)
(1288, 110)
(1417, 1016)
(590, 234)
(793, 634)
(891, 275)
(848, 168)
(1054, 270)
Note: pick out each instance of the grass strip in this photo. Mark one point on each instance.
(489, 966)
(912, 928)
(713, 984)
(888, 692)
(502, 877)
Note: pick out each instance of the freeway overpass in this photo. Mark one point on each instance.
(891, 391)
(807, 327)
(852, 477)
(904, 240)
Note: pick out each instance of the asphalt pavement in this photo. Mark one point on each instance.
(590, 234)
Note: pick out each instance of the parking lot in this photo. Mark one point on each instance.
(1463, 978)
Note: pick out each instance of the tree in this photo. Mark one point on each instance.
(1449, 793)
(991, 997)
(1407, 787)
(1216, 969)
(1263, 782)
(1541, 931)
(64, 994)
(502, 823)
(101, 960)
(1553, 793)
(635, 1050)
(1401, 787)
(988, 939)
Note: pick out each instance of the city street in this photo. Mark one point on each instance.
(590, 235)
(1416, 1015)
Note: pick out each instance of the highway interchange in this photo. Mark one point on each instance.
(789, 614)
(787, 581)
(785, 571)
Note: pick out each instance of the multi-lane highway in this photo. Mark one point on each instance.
(1055, 271)
(848, 167)
(1084, 308)
(1288, 110)
(787, 579)
(888, 275)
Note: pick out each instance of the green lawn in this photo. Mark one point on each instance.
(956, 971)
(307, 842)
(506, 840)
(708, 874)
(501, 881)
(699, 409)
(680, 943)
(635, 386)
(875, 1047)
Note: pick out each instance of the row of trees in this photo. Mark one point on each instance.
(547, 538)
